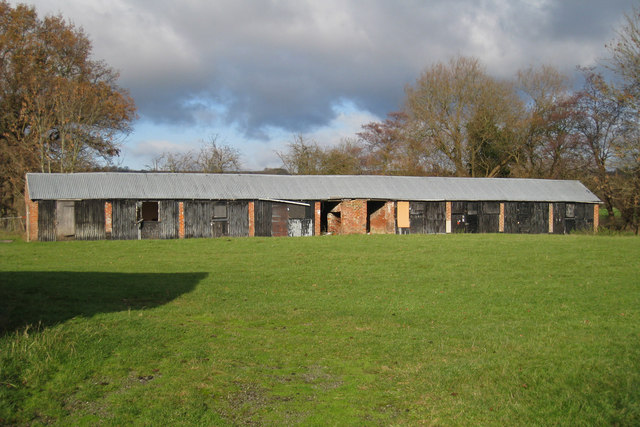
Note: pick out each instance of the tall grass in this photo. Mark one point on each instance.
(486, 329)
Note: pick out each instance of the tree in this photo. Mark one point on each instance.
(212, 157)
(215, 158)
(444, 102)
(600, 119)
(625, 52)
(548, 147)
(303, 156)
(60, 110)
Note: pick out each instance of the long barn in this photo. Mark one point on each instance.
(92, 206)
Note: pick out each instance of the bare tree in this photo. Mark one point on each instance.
(217, 158)
(443, 103)
(303, 156)
(210, 158)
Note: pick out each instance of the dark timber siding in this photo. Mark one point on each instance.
(559, 211)
(584, 216)
(238, 219)
(123, 219)
(169, 226)
(263, 214)
(475, 217)
(90, 220)
(568, 217)
(47, 220)
(526, 217)
(198, 217)
(489, 217)
(427, 217)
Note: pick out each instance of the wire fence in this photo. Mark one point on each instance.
(12, 224)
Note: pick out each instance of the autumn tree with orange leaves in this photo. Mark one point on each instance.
(60, 110)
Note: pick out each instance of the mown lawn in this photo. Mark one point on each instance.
(339, 330)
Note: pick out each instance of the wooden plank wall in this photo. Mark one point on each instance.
(489, 217)
(263, 214)
(168, 216)
(47, 220)
(90, 220)
(197, 218)
(526, 217)
(427, 217)
(124, 226)
(238, 219)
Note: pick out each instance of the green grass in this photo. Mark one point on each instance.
(341, 330)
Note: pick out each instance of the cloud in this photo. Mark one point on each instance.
(260, 65)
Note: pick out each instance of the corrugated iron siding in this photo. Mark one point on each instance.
(156, 186)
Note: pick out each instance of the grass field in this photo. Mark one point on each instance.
(342, 330)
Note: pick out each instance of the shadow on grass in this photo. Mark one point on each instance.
(29, 298)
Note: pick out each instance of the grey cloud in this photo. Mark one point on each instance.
(286, 64)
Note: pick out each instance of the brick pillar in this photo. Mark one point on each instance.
(448, 211)
(252, 220)
(108, 217)
(550, 217)
(180, 220)
(596, 217)
(31, 212)
(390, 207)
(501, 219)
(317, 219)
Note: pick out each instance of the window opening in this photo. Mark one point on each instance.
(297, 211)
(220, 211)
(149, 211)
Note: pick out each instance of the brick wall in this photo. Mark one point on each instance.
(108, 217)
(180, 220)
(382, 221)
(448, 217)
(252, 220)
(596, 217)
(501, 219)
(31, 209)
(354, 217)
(317, 219)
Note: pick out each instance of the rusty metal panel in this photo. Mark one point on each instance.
(279, 220)
(47, 220)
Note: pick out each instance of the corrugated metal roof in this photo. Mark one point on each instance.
(114, 185)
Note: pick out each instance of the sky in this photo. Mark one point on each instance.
(255, 73)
